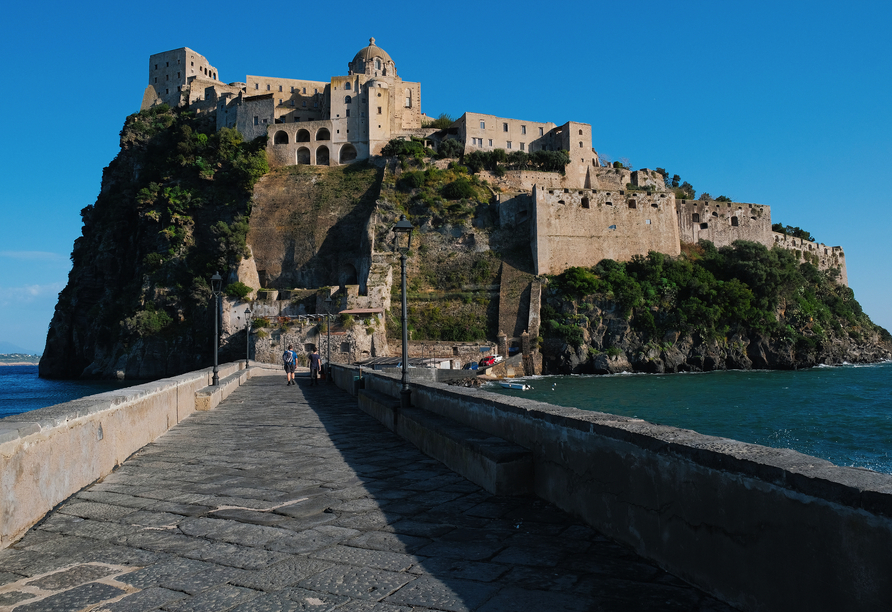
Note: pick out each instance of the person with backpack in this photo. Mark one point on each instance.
(315, 366)
(289, 359)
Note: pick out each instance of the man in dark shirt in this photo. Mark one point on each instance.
(315, 362)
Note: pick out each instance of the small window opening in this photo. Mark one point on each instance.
(611, 227)
(695, 218)
(633, 204)
(704, 225)
(647, 222)
(504, 127)
(734, 222)
(586, 203)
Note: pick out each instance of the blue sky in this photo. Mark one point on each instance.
(778, 103)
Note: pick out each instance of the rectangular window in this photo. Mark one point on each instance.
(379, 110)
(490, 142)
(541, 131)
(315, 105)
(292, 104)
(482, 125)
(280, 88)
(305, 90)
(268, 87)
(280, 101)
(523, 130)
(522, 147)
(178, 75)
(504, 127)
(256, 85)
(348, 112)
(156, 79)
(292, 89)
(509, 144)
(305, 103)
(256, 120)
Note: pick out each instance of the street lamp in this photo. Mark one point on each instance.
(328, 316)
(217, 290)
(247, 336)
(402, 238)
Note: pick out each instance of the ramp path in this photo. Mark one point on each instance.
(290, 498)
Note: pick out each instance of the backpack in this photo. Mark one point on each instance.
(288, 357)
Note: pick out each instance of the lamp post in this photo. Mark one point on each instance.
(328, 350)
(247, 336)
(402, 237)
(217, 290)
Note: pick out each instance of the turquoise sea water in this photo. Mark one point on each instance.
(842, 414)
(22, 390)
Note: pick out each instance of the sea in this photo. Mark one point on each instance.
(22, 390)
(842, 413)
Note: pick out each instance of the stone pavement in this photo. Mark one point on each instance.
(290, 498)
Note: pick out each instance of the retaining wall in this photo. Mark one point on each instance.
(47, 455)
(758, 527)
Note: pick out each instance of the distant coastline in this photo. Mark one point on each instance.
(19, 363)
(18, 359)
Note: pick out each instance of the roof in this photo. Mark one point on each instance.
(372, 51)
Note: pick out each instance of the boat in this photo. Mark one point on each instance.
(515, 385)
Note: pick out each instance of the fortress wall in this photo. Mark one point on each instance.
(308, 152)
(715, 221)
(580, 227)
(828, 256)
(293, 98)
(49, 454)
(760, 528)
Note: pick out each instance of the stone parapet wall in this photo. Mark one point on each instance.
(49, 454)
(760, 528)
(822, 256)
(723, 222)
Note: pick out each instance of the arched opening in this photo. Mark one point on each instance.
(303, 156)
(281, 138)
(323, 134)
(347, 99)
(561, 202)
(303, 136)
(734, 222)
(322, 156)
(347, 154)
(347, 275)
(347, 86)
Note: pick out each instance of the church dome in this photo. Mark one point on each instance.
(372, 60)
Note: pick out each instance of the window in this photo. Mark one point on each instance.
(734, 222)
(647, 222)
(292, 103)
(347, 99)
(408, 98)
(256, 85)
(305, 103)
(379, 110)
(348, 112)
(167, 64)
(377, 64)
(156, 66)
(704, 225)
(292, 89)
(523, 130)
(490, 142)
(256, 120)
(315, 91)
(156, 79)
(633, 204)
(580, 144)
(483, 125)
(268, 87)
(347, 86)
(695, 218)
(611, 227)
(509, 144)
(315, 105)
(522, 147)
(504, 127)
(280, 101)
(541, 131)
(586, 203)
(305, 90)
(178, 75)
(580, 132)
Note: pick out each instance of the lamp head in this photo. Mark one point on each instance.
(216, 283)
(402, 234)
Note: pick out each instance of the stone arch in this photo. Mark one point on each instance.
(347, 154)
(303, 156)
(348, 100)
(347, 275)
(281, 138)
(323, 134)
(302, 136)
(322, 156)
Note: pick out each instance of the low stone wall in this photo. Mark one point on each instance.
(49, 454)
(758, 527)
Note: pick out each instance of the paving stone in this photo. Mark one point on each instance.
(357, 583)
(460, 568)
(29, 562)
(422, 529)
(116, 499)
(450, 594)
(311, 600)
(274, 602)
(149, 599)
(394, 562)
(472, 551)
(71, 577)
(145, 518)
(234, 555)
(382, 540)
(280, 575)
(374, 606)
(254, 517)
(201, 581)
(217, 600)
(541, 579)
(154, 575)
(13, 597)
(648, 596)
(73, 599)
(537, 557)
(514, 599)
(312, 539)
(8, 578)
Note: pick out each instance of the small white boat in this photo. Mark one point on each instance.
(515, 385)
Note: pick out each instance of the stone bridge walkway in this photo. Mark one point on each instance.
(290, 498)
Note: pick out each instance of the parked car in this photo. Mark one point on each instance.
(488, 361)
(470, 366)
(498, 359)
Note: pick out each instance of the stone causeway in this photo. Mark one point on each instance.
(290, 498)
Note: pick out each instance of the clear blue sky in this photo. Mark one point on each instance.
(778, 103)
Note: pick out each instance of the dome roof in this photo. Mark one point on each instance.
(370, 52)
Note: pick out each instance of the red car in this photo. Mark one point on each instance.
(489, 361)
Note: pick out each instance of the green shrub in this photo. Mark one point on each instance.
(237, 289)
(410, 180)
(459, 189)
(450, 148)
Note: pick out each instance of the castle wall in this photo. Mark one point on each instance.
(306, 143)
(820, 255)
(723, 222)
(253, 116)
(170, 71)
(580, 227)
(488, 132)
(296, 100)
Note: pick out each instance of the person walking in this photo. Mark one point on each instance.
(289, 357)
(315, 363)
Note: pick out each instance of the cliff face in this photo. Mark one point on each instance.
(739, 307)
(171, 213)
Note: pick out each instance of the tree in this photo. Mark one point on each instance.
(675, 180)
(722, 198)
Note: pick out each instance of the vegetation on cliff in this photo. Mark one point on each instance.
(739, 306)
(172, 212)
